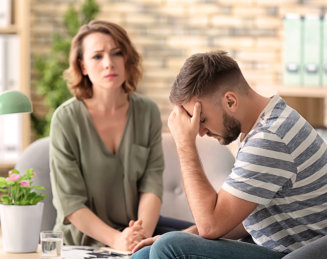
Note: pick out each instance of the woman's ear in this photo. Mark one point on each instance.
(81, 63)
(230, 101)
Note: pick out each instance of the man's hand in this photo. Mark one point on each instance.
(183, 127)
(192, 230)
(130, 236)
(146, 242)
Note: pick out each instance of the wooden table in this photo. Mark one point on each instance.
(6, 255)
(35, 255)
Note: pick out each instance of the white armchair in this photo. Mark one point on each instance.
(217, 162)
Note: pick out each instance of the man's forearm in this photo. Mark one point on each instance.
(236, 233)
(201, 196)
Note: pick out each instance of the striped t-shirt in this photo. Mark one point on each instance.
(282, 166)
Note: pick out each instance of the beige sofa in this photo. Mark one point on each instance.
(217, 161)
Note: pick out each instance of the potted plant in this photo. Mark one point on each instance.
(20, 211)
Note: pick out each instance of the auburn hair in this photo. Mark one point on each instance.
(79, 84)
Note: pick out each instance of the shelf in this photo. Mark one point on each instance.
(7, 166)
(4, 168)
(292, 91)
(8, 30)
(302, 91)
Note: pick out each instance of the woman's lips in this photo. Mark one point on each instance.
(111, 76)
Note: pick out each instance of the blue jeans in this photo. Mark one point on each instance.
(188, 246)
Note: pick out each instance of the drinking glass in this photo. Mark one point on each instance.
(51, 244)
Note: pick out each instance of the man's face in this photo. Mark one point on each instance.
(214, 120)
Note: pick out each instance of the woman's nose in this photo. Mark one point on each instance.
(107, 61)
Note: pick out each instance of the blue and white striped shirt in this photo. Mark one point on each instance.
(282, 166)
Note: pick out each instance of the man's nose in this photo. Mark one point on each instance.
(202, 130)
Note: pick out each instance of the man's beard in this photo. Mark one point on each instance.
(232, 129)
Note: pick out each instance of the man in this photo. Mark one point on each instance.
(276, 190)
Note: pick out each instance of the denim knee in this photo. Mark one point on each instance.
(169, 244)
(142, 254)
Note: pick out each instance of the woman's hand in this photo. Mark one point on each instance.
(145, 242)
(130, 236)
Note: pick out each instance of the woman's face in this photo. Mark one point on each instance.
(103, 61)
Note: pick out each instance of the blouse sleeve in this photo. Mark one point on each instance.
(152, 178)
(68, 186)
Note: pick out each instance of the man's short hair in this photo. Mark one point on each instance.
(205, 73)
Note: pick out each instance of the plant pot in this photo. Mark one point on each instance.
(20, 227)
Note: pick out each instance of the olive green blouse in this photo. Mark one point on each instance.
(85, 174)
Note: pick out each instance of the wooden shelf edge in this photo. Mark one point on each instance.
(4, 166)
(9, 30)
(296, 91)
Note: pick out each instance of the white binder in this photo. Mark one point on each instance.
(13, 63)
(292, 50)
(2, 63)
(11, 124)
(324, 53)
(5, 13)
(311, 51)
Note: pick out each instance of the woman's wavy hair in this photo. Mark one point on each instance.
(79, 84)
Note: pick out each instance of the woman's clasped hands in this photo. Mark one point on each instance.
(130, 236)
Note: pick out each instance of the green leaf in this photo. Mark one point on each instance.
(3, 190)
(3, 182)
(6, 200)
(89, 10)
(15, 171)
(37, 187)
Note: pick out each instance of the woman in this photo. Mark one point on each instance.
(105, 156)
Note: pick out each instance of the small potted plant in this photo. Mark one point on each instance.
(20, 211)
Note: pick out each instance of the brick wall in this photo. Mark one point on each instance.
(166, 32)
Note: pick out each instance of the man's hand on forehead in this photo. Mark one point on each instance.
(184, 126)
(196, 110)
(186, 111)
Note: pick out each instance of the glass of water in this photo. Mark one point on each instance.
(51, 244)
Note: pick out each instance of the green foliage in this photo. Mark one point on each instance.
(17, 189)
(50, 82)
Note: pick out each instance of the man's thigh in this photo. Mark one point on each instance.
(185, 245)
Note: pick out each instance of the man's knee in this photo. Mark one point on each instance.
(168, 244)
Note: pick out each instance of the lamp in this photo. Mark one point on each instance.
(14, 102)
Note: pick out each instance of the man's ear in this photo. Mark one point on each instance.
(230, 101)
(81, 63)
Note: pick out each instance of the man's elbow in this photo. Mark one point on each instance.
(209, 232)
